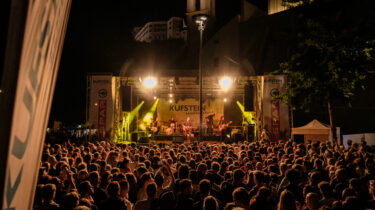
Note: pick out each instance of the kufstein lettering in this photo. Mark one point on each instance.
(185, 108)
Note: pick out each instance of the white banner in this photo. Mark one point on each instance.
(275, 114)
(41, 52)
(101, 104)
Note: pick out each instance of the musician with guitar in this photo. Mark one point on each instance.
(222, 126)
(154, 126)
(187, 127)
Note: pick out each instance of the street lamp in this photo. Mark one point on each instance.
(200, 21)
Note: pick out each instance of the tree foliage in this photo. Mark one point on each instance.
(332, 58)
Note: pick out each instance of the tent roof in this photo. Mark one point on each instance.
(314, 127)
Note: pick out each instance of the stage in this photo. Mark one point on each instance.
(181, 139)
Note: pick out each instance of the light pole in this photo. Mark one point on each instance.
(200, 20)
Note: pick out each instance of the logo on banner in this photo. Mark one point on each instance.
(102, 93)
(102, 119)
(275, 92)
(275, 119)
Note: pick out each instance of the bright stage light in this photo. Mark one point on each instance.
(149, 82)
(155, 97)
(147, 118)
(225, 83)
(170, 95)
(142, 126)
(225, 100)
(170, 101)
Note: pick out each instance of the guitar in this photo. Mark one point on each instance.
(223, 126)
(186, 128)
(154, 129)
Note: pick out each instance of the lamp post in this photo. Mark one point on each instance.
(200, 21)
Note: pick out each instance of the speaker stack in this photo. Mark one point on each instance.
(126, 98)
(249, 98)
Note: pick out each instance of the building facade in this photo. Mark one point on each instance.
(161, 30)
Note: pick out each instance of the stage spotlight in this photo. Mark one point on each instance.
(149, 135)
(225, 100)
(147, 118)
(228, 136)
(142, 126)
(225, 83)
(149, 82)
(95, 104)
(170, 101)
(155, 97)
(170, 95)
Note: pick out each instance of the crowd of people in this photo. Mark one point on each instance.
(262, 175)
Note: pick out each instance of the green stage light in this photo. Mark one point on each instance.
(148, 116)
(248, 117)
(134, 112)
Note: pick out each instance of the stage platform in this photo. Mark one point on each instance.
(179, 139)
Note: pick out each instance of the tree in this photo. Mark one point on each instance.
(334, 56)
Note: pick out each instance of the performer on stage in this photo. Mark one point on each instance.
(223, 126)
(154, 126)
(187, 127)
(210, 124)
(172, 124)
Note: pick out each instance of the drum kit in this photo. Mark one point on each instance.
(175, 129)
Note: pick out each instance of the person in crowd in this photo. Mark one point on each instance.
(210, 203)
(150, 202)
(244, 175)
(114, 201)
(48, 196)
(287, 201)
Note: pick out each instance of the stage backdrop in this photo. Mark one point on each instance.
(275, 113)
(189, 107)
(101, 113)
(40, 58)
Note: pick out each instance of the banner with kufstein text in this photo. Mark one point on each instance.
(189, 107)
(43, 40)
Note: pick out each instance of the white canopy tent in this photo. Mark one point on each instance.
(314, 131)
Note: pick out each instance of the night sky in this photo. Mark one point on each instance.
(99, 39)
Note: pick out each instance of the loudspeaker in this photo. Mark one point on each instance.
(144, 140)
(238, 137)
(126, 98)
(134, 137)
(249, 98)
(250, 132)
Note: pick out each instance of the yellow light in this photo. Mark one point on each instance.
(225, 99)
(95, 104)
(225, 83)
(170, 101)
(142, 126)
(147, 118)
(149, 82)
(155, 97)
(170, 95)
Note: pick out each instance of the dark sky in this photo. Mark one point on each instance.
(99, 39)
